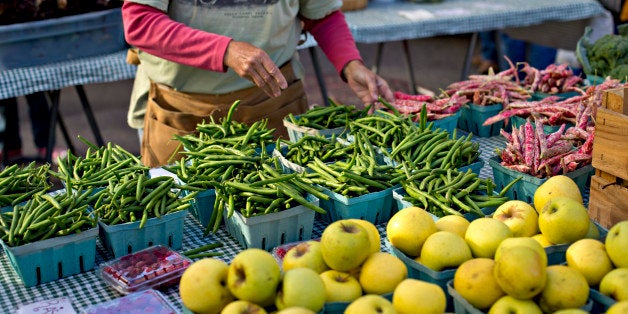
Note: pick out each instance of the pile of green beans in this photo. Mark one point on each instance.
(316, 146)
(451, 192)
(384, 129)
(432, 149)
(360, 175)
(137, 197)
(17, 184)
(46, 216)
(328, 117)
(263, 191)
(99, 165)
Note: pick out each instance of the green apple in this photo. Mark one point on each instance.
(564, 220)
(301, 287)
(475, 282)
(296, 310)
(556, 186)
(542, 239)
(618, 308)
(484, 236)
(615, 284)
(381, 273)
(565, 288)
(408, 228)
(305, 254)
(375, 238)
(589, 257)
(454, 223)
(521, 272)
(370, 304)
(254, 275)
(511, 305)
(525, 241)
(203, 287)
(519, 216)
(345, 245)
(617, 244)
(444, 249)
(417, 296)
(243, 307)
(340, 286)
(571, 311)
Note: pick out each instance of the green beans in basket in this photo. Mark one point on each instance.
(137, 197)
(384, 129)
(451, 192)
(99, 165)
(330, 117)
(309, 147)
(263, 191)
(17, 184)
(47, 216)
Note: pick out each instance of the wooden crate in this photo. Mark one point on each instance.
(611, 135)
(608, 199)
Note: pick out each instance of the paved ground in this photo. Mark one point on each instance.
(436, 63)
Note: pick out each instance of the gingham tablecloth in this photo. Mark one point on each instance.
(87, 289)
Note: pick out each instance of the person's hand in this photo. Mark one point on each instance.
(367, 85)
(255, 65)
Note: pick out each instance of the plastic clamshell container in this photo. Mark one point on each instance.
(270, 230)
(448, 123)
(154, 267)
(375, 207)
(400, 193)
(525, 188)
(462, 306)
(518, 121)
(472, 117)
(147, 301)
(61, 39)
(296, 132)
(126, 238)
(51, 259)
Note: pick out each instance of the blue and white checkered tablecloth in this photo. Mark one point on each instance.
(87, 288)
(98, 69)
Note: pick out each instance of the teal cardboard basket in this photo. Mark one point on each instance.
(375, 207)
(548, 129)
(561, 96)
(472, 117)
(51, 259)
(296, 132)
(448, 123)
(601, 302)
(270, 230)
(126, 238)
(202, 206)
(525, 188)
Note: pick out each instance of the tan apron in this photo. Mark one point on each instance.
(170, 112)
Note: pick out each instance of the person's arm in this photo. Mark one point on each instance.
(148, 28)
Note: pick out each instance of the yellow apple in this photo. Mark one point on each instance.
(454, 223)
(301, 287)
(571, 311)
(519, 216)
(525, 241)
(617, 244)
(340, 286)
(589, 257)
(345, 245)
(510, 305)
(542, 239)
(381, 273)
(417, 296)
(615, 284)
(254, 275)
(370, 304)
(305, 254)
(203, 287)
(520, 271)
(565, 288)
(408, 228)
(556, 186)
(475, 282)
(444, 249)
(564, 220)
(484, 235)
(243, 307)
(618, 308)
(296, 310)
(375, 239)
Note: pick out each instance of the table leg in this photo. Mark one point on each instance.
(319, 75)
(378, 58)
(467, 58)
(89, 114)
(52, 97)
(406, 50)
